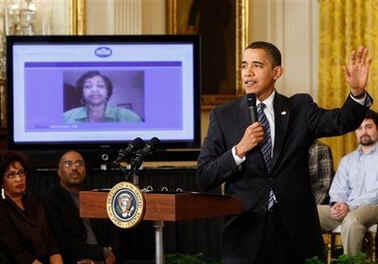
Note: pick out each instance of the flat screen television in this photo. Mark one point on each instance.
(151, 86)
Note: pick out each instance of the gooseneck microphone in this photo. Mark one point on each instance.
(251, 101)
(131, 149)
(141, 154)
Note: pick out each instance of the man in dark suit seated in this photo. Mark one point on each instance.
(75, 237)
(265, 162)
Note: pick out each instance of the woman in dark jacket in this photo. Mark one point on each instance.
(24, 233)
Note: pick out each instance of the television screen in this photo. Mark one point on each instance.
(102, 91)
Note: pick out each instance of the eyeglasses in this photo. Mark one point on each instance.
(12, 175)
(69, 163)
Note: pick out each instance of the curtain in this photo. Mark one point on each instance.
(344, 26)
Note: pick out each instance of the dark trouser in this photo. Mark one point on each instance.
(277, 246)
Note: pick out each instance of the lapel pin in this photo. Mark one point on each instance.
(283, 113)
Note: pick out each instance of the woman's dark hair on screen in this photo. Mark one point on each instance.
(90, 74)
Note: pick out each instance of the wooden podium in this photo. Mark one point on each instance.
(166, 207)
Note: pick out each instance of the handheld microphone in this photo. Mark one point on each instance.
(141, 154)
(251, 101)
(133, 147)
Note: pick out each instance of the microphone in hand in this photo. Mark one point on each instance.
(251, 101)
(130, 150)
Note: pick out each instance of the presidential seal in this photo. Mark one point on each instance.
(125, 205)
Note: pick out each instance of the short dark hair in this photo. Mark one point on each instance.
(68, 151)
(8, 159)
(270, 49)
(91, 74)
(370, 114)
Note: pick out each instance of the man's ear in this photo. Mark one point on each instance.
(277, 71)
(59, 172)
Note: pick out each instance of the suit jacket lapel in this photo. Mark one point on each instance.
(281, 116)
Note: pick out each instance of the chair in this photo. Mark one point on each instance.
(332, 239)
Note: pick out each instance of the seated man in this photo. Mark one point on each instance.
(320, 165)
(75, 236)
(353, 193)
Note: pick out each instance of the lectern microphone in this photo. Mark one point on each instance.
(127, 153)
(141, 154)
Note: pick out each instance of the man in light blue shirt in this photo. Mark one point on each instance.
(354, 190)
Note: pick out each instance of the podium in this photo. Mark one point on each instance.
(160, 207)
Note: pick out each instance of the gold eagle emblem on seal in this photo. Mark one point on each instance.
(125, 205)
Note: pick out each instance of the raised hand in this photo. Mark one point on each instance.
(357, 71)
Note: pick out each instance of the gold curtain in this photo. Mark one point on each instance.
(344, 26)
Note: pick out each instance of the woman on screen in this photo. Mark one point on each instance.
(24, 233)
(95, 90)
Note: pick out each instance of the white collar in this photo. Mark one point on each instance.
(268, 101)
(373, 149)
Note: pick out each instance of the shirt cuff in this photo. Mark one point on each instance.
(237, 159)
(361, 101)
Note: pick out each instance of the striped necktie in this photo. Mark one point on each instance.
(266, 149)
(266, 146)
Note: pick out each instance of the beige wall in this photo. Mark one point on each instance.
(293, 26)
(118, 12)
(153, 12)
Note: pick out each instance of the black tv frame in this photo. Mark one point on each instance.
(104, 39)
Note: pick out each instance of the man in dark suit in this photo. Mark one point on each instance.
(265, 163)
(75, 236)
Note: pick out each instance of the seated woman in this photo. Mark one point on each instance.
(95, 90)
(24, 232)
